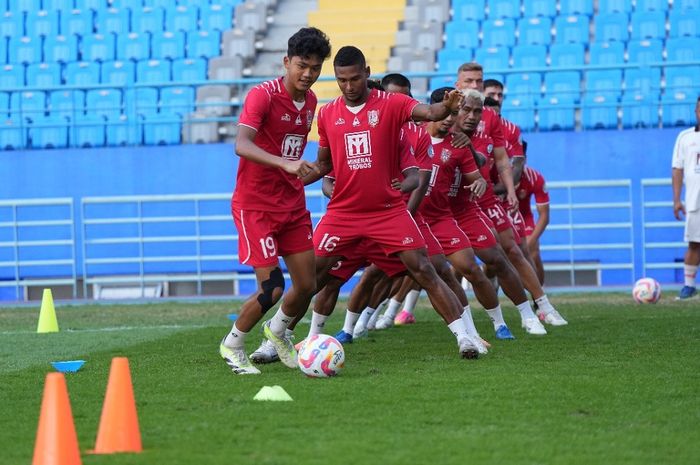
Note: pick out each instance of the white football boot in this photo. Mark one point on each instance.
(468, 348)
(237, 360)
(552, 317)
(266, 353)
(534, 327)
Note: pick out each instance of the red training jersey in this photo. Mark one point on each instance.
(531, 183)
(416, 144)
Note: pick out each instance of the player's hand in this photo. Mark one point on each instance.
(678, 208)
(301, 168)
(460, 140)
(396, 184)
(477, 188)
(452, 100)
(512, 201)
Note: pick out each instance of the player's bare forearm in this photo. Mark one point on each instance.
(677, 183)
(518, 166)
(440, 110)
(410, 181)
(323, 166)
(505, 172)
(327, 186)
(542, 221)
(476, 184)
(246, 148)
(419, 192)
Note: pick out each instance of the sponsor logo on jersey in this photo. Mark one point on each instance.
(355, 122)
(339, 122)
(454, 241)
(291, 146)
(286, 117)
(298, 120)
(481, 238)
(407, 240)
(358, 150)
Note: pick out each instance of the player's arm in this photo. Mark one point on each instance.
(246, 148)
(410, 181)
(677, 183)
(440, 110)
(419, 192)
(327, 186)
(542, 221)
(322, 165)
(518, 164)
(505, 173)
(475, 183)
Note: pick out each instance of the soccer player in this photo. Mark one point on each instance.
(268, 204)
(686, 169)
(493, 89)
(359, 136)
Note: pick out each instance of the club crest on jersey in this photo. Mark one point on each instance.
(373, 118)
(445, 155)
(339, 122)
(291, 146)
(298, 120)
(286, 117)
(481, 127)
(309, 118)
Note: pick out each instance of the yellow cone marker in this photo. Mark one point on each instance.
(47, 315)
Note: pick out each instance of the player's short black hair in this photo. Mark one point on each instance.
(493, 83)
(438, 95)
(397, 79)
(491, 102)
(374, 84)
(349, 56)
(309, 41)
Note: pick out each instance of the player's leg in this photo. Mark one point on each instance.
(363, 300)
(400, 287)
(534, 247)
(378, 300)
(692, 254)
(363, 288)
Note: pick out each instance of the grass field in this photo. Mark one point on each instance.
(619, 385)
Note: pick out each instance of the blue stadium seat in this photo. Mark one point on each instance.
(181, 18)
(57, 5)
(683, 49)
(152, 71)
(168, 45)
(568, 55)
(520, 109)
(216, 17)
(93, 5)
(177, 100)
(158, 3)
(643, 80)
(124, 131)
(48, 132)
(11, 24)
(451, 59)
(147, 19)
(564, 84)
(504, 9)
(112, 20)
(441, 81)
(524, 84)
(556, 113)
(42, 23)
(23, 5)
(77, 22)
(118, 73)
(498, 33)
(44, 75)
(529, 56)
(161, 130)
(88, 131)
(604, 82)
(468, 10)
(66, 104)
(607, 53)
(492, 58)
(98, 47)
(3, 50)
(13, 134)
(640, 110)
(535, 31)
(133, 46)
(684, 23)
(612, 26)
(545, 8)
(614, 6)
(682, 5)
(678, 109)
(131, 4)
(644, 51)
(11, 76)
(189, 70)
(575, 7)
(61, 49)
(204, 44)
(103, 102)
(571, 29)
(4, 106)
(24, 50)
(463, 34)
(599, 112)
(648, 25)
(651, 5)
(27, 104)
(82, 73)
(682, 79)
(140, 101)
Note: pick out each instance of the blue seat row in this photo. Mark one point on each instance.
(97, 5)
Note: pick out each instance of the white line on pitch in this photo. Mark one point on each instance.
(110, 329)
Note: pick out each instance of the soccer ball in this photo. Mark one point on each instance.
(646, 291)
(321, 356)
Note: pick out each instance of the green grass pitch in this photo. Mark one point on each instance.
(619, 385)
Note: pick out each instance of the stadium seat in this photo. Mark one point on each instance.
(678, 109)
(545, 8)
(452, 59)
(140, 101)
(563, 84)
(48, 132)
(556, 113)
(214, 100)
(216, 18)
(82, 73)
(3, 50)
(11, 24)
(199, 129)
(177, 100)
(498, 33)
(463, 34)
(103, 102)
(643, 80)
(93, 5)
(133, 46)
(571, 29)
(61, 49)
(644, 51)
(161, 130)
(4, 106)
(520, 109)
(24, 50)
(426, 36)
(651, 5)
(684, 23)
(683, 49)
(682, 79)
(23, 5)
(612, 27)
(11, 76)
(118, 73)
(44, 75)
(535, 31)
(181, 18)
(131, 4)
(683, 5)
(568, 55)
(614, 6)
(189, 70)
(599, 112)
(147, 19)
(433, 10)
(168, 45)
(88, 131)
(523, 84)
(98, 47)
(492, 58)
(529, 56)
(469, 10)
(160, 3)
(152, 71)
(13, 134)
(66, 103)
(239, 42)
(27, 104)
(504, 9)
(42, 23)
(251, 15)
(203, 44)
(607, 53)
(604, 83)
(124, 131)
(575, 7)
(639, 110)
(648, 25)
(112, 20)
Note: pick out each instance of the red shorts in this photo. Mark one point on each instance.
(365, 253)
(496, 213)
(529, 224)
(518, 225)
(394, 231)
(477, 226)
(431, 242)
(449, 234)
(263, 236)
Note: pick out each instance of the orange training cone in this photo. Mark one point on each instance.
(119, 424)
(56, 441)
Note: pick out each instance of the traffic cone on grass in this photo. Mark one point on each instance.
(119, 424)
(56, 441)
(47, 315)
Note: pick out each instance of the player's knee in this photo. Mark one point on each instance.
(424, 270)
(271, 290)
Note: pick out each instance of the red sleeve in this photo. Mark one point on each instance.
(406, 107)
(424, 151)
(331, 174)
(255, 108)
(467, 164)
(496, 130)
(320, 123)
(540, 190)
(407, 159)
(515, 146)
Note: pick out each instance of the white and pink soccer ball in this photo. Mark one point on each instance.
(646, 291)
(322, 356)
